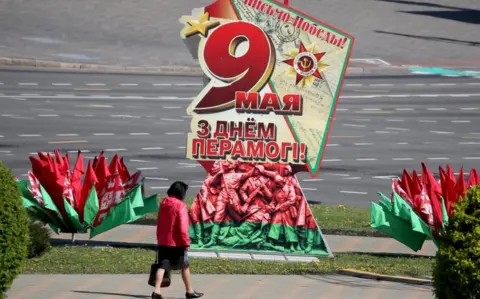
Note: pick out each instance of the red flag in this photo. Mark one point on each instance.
(111, 195)
(124, 171)
(433, 190)
(407, 184)
(460, 187)
(95, 160)
(473, 178)
(103, 173)
(90, 179)
(451, 174)
(78, 172)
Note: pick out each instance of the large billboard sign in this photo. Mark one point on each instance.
(274, 78)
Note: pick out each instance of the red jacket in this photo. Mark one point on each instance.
(172, 224)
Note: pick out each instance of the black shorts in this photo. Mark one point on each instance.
(172, 258)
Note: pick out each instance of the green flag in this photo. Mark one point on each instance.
(91, 207)
(73, 218)
(444, 213)
(132, 208)
(386, 221)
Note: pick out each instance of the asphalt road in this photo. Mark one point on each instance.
(147, 32)
(382, 125)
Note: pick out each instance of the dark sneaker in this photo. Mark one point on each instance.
(195, 294)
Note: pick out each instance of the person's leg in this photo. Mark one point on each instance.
(158, 282)
(190, 292)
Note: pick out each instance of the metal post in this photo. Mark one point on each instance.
(73, 238)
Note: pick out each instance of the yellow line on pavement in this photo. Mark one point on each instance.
(92, 89)
(68, 141)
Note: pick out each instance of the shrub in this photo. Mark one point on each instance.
(13, 230)
(39, 239)
(456, 272)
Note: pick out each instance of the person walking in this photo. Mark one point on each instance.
(173, 239)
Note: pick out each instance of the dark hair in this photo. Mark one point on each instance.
(178, 190)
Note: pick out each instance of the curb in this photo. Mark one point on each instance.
(398, 279)
(30, 63)
(9, 62)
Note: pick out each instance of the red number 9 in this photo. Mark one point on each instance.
(249, 72)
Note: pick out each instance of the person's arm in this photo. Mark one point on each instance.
(183, 223)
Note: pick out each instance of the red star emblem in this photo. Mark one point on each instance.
(305, 63)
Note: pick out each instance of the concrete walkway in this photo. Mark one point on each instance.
(214, 286)
(146, 236)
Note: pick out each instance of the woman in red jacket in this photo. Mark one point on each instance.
(173, 240)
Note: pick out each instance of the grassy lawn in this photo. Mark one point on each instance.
(339, 220)
(88, 260)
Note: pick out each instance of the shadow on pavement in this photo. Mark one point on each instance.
(434, 38)
(458, 14)
(354, 282)
(387, 254)
(95, 243)
(120, 294)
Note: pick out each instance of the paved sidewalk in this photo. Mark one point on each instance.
(214, 286)
(145, 235)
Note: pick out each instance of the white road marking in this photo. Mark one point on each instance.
(140, 161)
(95, 84)
(174, 133)
(438, 158)
(371, 109)
(124, 116)
(352, 125)
(1, 136)
(361, 119)
(474, 83)
(383, 132)
(160, 187)
(469, 108)
(189, 84)
(397, 129)
(436, 109)
(352, 178)
(381, 84)
(66, 135)
(341, 109)
(65, 95)
(115, 149)
(1, 83)
(151, 148)
(336, 174)
(156, 179)
(471, 158)
(171, 119)
(61, 84)
(312, 180)
(443, 84)
(138, 134)
(128, 84)
(469, 143)
(103, 134)
(29, 94)
(48, 115)
(188, 164)
(29, 135)
(442, 132)
(147, 168)
(416, 84)
(83, 115)
(5, 152)
(427, 121)
(460, 121)
(83, 151)
(353, 192)
(353, 84)
(404, 109)
(402, 159)
(172, 107)
(181, 147)
(310, 189)
(162, 84)
(332, 160)
(385, 177)
(460, 95)
(363, 143)
(31, 84)
(366, 159)
(395, 120)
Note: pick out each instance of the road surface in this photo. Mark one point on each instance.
(382, 125)
(147, 32)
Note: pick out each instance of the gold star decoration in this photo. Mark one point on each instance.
(199, 24)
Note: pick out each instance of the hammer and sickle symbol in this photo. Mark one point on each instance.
(305, 63)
